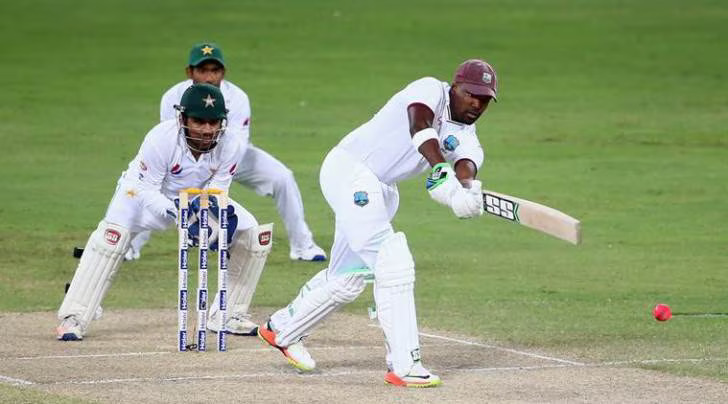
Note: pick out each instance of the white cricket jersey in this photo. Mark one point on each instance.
(384, 143)
(236, 102)
(164, 165)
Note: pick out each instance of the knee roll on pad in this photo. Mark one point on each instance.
(395, 265)
(345, 289)
(248, 254)
(96, 269)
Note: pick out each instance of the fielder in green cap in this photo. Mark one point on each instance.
(206, 51)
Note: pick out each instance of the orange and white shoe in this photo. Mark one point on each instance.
(296, 354)
(418, 376)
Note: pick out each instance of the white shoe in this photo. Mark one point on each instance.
(418, 376)
(132, 254)
(236, 323)
(296, 354)
(310, 253)
(69, 330)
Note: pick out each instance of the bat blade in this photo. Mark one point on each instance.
(534, 215)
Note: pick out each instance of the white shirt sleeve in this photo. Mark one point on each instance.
(172, 97)
(166, 107)
(153, 171)
(427, 91)
(238, 106)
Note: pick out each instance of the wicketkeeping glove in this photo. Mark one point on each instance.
(213, 220)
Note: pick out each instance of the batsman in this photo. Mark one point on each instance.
(194, 150)
(429, 125)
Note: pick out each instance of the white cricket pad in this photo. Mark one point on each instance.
(394, 274)
(96, 269)
(319, 297)
(248, 253)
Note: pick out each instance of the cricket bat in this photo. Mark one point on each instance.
(534, 215)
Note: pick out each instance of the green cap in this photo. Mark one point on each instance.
(203, 101)
(202, 52)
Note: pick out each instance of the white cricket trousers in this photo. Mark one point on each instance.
(363, 208)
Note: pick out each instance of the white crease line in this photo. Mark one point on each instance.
(123, 354)
(664, 360)
(13, 381)
(516, 368)
(114, 355)
(218, 377)
(515, 351)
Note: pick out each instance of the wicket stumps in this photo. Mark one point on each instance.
(183, 260)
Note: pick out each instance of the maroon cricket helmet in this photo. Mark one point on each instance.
(477, 77)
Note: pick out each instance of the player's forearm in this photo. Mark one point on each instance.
(155, 201)
(465, 171)
(430, 150)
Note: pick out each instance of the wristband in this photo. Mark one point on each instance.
(423, 136)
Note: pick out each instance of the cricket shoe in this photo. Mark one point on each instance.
(69, 330)
(237, 324)
(418, 376)
(132, 254)
(310, 253)
(296, 354)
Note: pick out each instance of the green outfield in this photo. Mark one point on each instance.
(615, 112)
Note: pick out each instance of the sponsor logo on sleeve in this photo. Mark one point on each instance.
(361, 198)
(264, 238)
(112, 236)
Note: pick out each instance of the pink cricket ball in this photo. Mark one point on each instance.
(662, 312)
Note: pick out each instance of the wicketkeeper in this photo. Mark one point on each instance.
(194, 150)
(429, 125)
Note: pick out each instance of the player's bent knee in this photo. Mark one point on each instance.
(395, 265)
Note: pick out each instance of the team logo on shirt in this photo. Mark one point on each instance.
(451, 143)
(176, 169)
(361, 198)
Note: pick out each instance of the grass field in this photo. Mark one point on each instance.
(613, 111)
